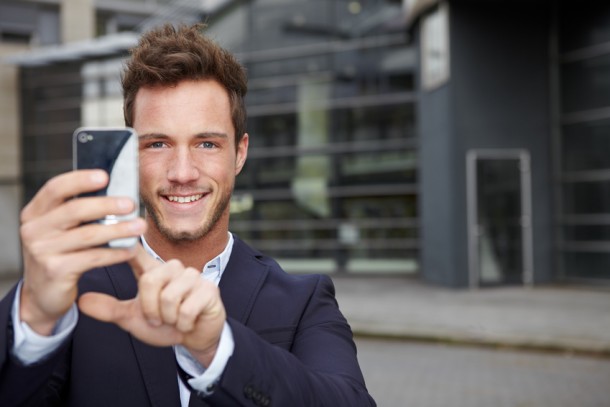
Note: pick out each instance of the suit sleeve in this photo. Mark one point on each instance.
(39, 384)
(319, 368)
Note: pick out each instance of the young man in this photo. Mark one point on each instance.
(195, 316)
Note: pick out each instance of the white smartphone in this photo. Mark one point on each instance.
(114, 150)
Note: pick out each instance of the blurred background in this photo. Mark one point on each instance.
(414, 149)
(463, 142)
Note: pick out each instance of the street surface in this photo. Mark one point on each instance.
(414, 374)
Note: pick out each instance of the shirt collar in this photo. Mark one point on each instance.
(214, 268)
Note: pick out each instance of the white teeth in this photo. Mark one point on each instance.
(185, 199)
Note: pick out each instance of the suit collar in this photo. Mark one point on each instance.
(215, 266)
(242, 281)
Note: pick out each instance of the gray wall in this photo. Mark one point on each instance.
(440, 196)
(497, 97)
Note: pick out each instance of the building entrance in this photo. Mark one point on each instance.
(499, 217)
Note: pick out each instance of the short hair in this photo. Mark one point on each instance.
(168, 55)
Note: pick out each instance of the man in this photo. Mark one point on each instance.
(95, 326)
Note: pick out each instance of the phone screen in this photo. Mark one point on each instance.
(114, 150)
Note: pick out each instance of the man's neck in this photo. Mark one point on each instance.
(192, 253)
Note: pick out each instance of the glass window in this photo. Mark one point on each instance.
(586, 146)
(331, 172)
(102, 104)
(586, 197)
(581, 27)
(272, 131)
(587, 265)
(380, 167)
(587, 232)
(374, 123)
(586, 84)
(48, 147)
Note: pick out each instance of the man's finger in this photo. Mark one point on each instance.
(85, 237)
(62, 187)
(75, 212)
(102, 307)
(127, 316)
(175, 292)
(76, 263)
(204, 302)
(150, 286)
(142, 261)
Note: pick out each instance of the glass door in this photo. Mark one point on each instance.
(499, 221)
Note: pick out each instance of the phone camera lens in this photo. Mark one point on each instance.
(83, 137)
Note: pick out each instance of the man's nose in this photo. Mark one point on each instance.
(182, 167)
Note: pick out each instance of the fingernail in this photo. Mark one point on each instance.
(98, 177)
(125, 203)
(137, 225)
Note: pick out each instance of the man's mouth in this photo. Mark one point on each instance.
(184, 199)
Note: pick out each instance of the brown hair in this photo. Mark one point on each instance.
(168, 55)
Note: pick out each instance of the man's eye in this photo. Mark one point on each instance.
(156, 144)
(207, 144)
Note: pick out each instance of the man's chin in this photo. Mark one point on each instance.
(183, 236)
(177, 230)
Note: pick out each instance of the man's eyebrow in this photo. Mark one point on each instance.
(211, 134)
(150, 136)
(206, 135)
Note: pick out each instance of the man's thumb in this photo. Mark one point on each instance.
(100, 306)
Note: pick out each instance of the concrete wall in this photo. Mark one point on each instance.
(439, 195)
(77, 20)
(10, 166)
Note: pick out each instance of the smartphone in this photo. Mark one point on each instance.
(114, 150)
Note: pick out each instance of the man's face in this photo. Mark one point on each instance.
(188, 159)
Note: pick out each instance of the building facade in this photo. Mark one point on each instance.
(330, 184)
(41, 94)
(513, 130)
(462, 140)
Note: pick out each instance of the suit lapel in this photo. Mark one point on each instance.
(242, 281)
(157, 365)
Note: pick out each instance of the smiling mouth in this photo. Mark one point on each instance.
(184, 199)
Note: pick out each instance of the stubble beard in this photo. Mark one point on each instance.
(173, 236)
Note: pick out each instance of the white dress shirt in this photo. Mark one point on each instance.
(30, 347)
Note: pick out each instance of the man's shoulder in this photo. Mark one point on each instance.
(241, 249)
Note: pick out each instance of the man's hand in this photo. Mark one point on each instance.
(174, 306)
(59, 243)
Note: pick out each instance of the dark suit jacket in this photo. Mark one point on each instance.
(293, 347)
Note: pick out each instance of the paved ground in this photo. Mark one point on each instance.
(417, 374)
(547, 317)
(544, 346)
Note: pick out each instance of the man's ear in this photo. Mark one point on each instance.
(242, 153)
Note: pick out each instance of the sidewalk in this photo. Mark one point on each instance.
(561, 318)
